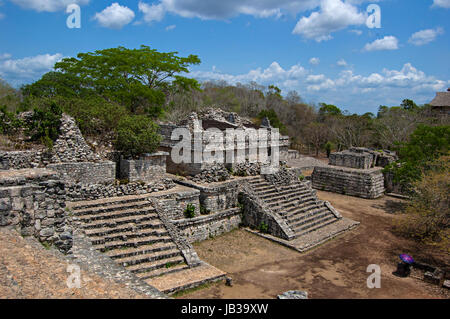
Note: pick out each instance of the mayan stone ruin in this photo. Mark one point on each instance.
(139, 217)
(354, 172)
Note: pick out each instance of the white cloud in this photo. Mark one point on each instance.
(387, 43)
(1, 15)
(222, 10)
(5, 56)
(441, 3)
(357, 32)
(425, 36)
(347, 89)
(18, 71)
(314, 61)
(341, 62)
(154, 12)
(231, 8)
(48, 5)
(115, 16)
(170, 27)
(334, 15)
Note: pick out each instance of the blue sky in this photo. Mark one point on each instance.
(323, 49)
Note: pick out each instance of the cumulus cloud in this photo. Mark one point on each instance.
(18, 71)
(334, 15)
(48, 5)
(154, 12)
(387, 43)
(348, 89)
(314, 61)
(115, 16)
(222, 10)
(425, 36)
(441, 3)
(341, 62)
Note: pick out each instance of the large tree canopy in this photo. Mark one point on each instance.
(136, 78)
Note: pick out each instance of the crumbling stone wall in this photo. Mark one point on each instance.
(20, 159)
(217, 196)
(81, 192)
(33, 202)
(86, 172)
(146, 169)
(362, 158)
(348, 181)
(204, 227)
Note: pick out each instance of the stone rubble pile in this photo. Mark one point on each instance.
(211, 174)
(71, 145)
(247, 169)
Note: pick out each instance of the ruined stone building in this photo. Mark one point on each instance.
(135, 223)
(354, 172)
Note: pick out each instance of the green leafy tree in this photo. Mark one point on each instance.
(136, 78)
(137, 135)
(426, 144)
(328, 109)
(409, 105)
(273, 118)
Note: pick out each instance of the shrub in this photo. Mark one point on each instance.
(9, 123)
(204, 210)
(45, 123)
(189, 212)
(427, 217)
(137, 135)
(426, 144)
(264, 228)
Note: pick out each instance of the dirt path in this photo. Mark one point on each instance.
(337, 269)
(29, 271)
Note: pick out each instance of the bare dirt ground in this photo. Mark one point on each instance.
(28, 270)
(336, 269)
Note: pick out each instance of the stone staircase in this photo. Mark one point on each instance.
(296, 203)
(129, 230)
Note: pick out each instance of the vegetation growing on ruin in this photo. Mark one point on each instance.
(189, 211)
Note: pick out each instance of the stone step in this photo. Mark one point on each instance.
(311, 219)
(298, 215)
(127, 235)
(103, 231)
(128, 252)
(256, 180)
(134, 242)
(114, 222)
(159, 272)
(108, 201)
(292, 195)
(116, 214)
(146, 267)
(288, 205)
(148, 257)
(112, 208)
(307, 204)
(317, 227)
(281, 190)
(261, 186)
